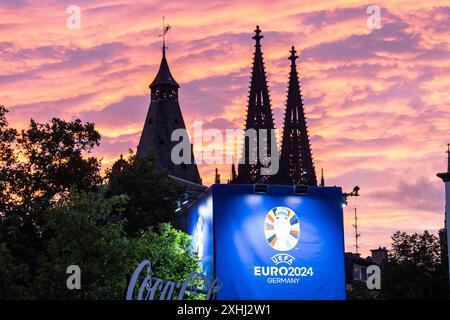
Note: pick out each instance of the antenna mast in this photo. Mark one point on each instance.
(357, 235)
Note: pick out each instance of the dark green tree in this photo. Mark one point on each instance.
(8, 160)
(359, 291)
(414, 269)
(39, 165)
(80, 234)
(152, 194)
(169, 250)
(15, 276)
(55, 212)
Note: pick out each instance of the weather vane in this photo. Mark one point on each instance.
(165, 29)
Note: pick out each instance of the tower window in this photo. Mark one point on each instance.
(150, 121)
(164, 92)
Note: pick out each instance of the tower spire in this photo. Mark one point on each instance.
(217, 177)
(259, 117)
(233, 175)
(164, 77)
(322, 180)
(257, 37)
(296, 163)
(163, 118)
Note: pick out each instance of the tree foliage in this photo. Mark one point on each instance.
(56, 211)
(414, 269)
(359, 291)
(14, 276)
(81, 235)
(152, 195)
(39, 165)
(169, 250)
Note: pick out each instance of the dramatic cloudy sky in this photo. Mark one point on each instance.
(377, 100)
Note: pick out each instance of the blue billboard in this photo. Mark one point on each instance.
(275, 244)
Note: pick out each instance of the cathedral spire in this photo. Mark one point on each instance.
(259, 116)
(296, 163)
(217, 177)
(233, 172)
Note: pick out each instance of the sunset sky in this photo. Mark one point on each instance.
(377, 101)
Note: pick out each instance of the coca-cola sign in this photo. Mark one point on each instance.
(149, 287)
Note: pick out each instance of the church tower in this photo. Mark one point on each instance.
(296, 163)
(445, 176)
(259, 116)
(163, 117)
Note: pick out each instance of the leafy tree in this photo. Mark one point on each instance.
(8, 160)
(7, 157)
(14, 276)
(169, 251)
(55, 212)
(414, 269)
(42, 163)
(359, 291)
(81, 235)
(39, 165)
(152, 194)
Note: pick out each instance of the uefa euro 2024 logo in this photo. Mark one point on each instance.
(282, 232)
(282, 228)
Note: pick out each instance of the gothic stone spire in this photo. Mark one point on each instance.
(296, 163)
(259, 116)
(217, 177)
